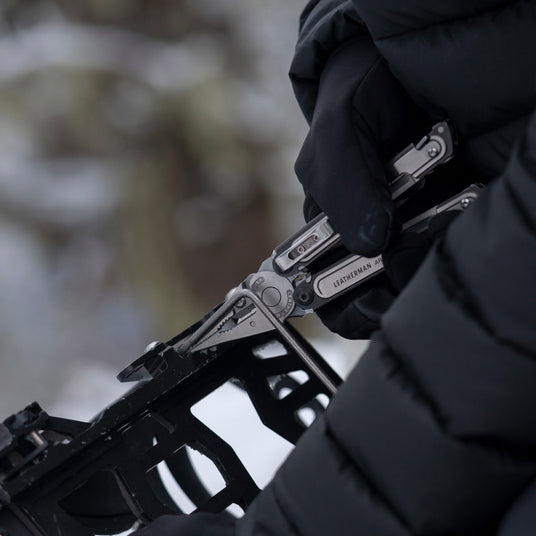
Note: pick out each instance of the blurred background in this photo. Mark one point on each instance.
(146, 155)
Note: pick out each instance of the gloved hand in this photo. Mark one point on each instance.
(201, 524)
(357, 314)
(362, 118)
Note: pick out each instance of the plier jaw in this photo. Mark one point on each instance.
(244, 314)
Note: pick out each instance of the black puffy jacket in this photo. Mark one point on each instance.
(434, 432)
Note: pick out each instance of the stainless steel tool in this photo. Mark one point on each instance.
(286, 285)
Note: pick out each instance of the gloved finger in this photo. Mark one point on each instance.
(362, 118)
(357, 314)
(344, 175)
(310, 208)
(201, 524)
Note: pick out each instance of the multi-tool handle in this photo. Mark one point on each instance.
(405, 171)
(283, 286)
(354, 270)
(408, 167)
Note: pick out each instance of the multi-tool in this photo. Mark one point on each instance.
(288, 283)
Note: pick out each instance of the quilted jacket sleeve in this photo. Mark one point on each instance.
(434, 431)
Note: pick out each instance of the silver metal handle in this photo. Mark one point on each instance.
(354, 270)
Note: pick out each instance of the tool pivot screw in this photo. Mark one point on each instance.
(465, 202)
(433, 152)
(305, 297)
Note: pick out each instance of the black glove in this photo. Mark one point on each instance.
(201, 524)
(357, 314)
(362, 118)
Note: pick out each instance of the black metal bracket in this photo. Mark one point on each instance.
(101, 477)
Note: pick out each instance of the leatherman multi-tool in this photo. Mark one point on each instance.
(287, 285)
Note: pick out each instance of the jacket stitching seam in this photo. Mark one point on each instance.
(450, 281)
(365, 479)
(411, 378)
(285, 514)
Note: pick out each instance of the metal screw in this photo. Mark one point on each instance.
(148, 348)
(433, 152)
(241, 302)
(316, 238)
(305, 297)
(465, 202)
(37, 440)
(301, 250)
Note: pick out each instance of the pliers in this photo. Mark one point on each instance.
(289, 283)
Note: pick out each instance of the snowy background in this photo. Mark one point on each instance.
(146, 154)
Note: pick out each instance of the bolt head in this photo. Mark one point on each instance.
(151, 346)
(304, 297)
